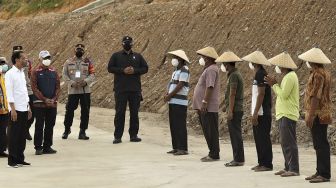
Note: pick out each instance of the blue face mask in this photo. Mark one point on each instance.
(3, 68)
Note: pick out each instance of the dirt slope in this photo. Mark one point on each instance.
(242, 26)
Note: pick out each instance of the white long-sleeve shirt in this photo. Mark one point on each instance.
(16, 89)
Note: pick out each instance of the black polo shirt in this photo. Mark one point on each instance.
(124, 82)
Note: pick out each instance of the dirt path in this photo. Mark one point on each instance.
(99, 163)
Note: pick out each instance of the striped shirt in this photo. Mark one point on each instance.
(180, 75)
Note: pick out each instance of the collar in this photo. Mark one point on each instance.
(124, 52)
(16, 69)
(232, 71)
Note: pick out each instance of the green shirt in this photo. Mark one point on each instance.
(235, 80)
(287, 102)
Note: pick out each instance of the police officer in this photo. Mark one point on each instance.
(127, 67)
(27, 71)
(79, 74)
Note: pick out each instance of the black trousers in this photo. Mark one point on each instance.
(85, 102)
(31, 121)
(44, 127)
(121, 99)
(288, 143)
(322, 148)
(178, 126)
(209, 124)
(235, 131)
(17, 138)
(262, 138)
(3, 132)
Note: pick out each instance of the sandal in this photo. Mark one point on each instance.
(208, 159)
(311, 177)
(319, 179)
(289, 174)
(280, 172)
(234, 164)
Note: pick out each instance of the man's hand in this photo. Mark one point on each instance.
(167, 98)
(129, 70)
(82, 83)
(309, 119)
(75, 84)
(13, 115)
(30, 114)
(255, 119)
(204, 108)
(49, 102)
(270, 80)
(229, 115)
(224, 108)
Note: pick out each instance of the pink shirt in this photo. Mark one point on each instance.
(209, 78)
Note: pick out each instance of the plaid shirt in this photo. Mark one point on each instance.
(319, 86)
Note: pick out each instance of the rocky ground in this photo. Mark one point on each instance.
(162, 25)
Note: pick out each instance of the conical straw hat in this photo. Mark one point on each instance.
(315, 55)
(208, 52)
(257, 57)
(180, 53)
(283, 60)
(3, 59)
(227, 57)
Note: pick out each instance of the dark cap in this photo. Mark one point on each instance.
(127, 38)
(80, 46)
(17, 48)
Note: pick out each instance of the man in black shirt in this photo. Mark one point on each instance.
(127, 67)
(261, 110)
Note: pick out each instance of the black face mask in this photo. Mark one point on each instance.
(127, 46)
(79, 53)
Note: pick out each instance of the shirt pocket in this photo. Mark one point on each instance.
(72, 69)
(85, 69)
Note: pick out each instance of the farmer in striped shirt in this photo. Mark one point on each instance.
(177, 98)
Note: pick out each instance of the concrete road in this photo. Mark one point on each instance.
(99, 163)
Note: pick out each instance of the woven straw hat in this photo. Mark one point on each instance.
(208, 52)
(257, 57)
(315, 55)
(283, 60)
(227, 57)
(3, 59)
(179, 53)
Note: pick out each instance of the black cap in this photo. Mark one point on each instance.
(80, 46)
(127, 38)
(17, 48)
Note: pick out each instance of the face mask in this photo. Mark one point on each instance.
(277, 70)
(46, 62)
(308, 65)
(202, 62)
(175, 62)
(3, 68)
(251, 66)
(127, 46)
(223, 68)
(79, 53)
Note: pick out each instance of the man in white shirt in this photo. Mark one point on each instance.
(17, 96)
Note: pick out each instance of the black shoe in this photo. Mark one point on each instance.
(39, 152)
(135, 139)
(82, 136)
(66, 134)
(49, 151)
(117, 141)
(23, 164)
(172, 151)
(28, 136)
(13, 166)
(3, 155)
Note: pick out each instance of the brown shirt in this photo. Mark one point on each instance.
(319, 86)
(209, 78)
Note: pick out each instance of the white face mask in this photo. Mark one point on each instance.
(223, 68)
(46, 62)
(251, 66)
(308, 65)
(277, 70)
(175, 62)
(202, 62)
